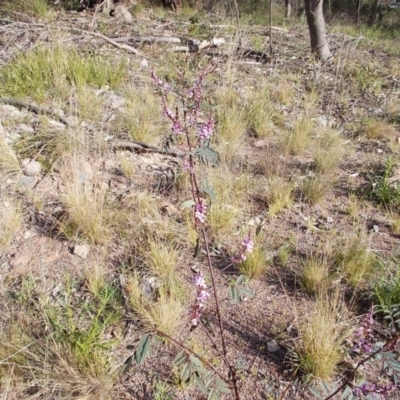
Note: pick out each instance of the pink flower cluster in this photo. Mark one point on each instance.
(207, 129)
(200, 212)
(376, 391)
(247, 247)
(202, 297)
(364, 334)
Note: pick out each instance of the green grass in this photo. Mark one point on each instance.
(256, 263)
(51, 71)
(356, 261)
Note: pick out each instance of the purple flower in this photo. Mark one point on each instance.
(377, 391)
(176, 127)
(364, 334)
(247, 247)
(187, 167)
(200, 212)
(207, 129)
(202, 297)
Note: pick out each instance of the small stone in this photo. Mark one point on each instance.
(82, 250)
(375, 228)
(272, 346)
(31, 167)
(122, 13)
(24, 128)
(379, 151)
(329, 220)
(144, 63)
(26, 181)
(322, 121)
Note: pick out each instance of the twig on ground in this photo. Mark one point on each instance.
(146, 147)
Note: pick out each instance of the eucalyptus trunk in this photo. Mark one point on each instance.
(288, 8)
(316, 26)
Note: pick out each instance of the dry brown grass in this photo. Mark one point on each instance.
(165, 312)
(314, 274)
(380, 130)
(279, 194)
(322, 331)
(10, 220)
(88, 215)
(8, 160)
(297, 138)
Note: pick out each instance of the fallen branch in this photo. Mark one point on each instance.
(149, 39)
(140, 146)
(34, 109)
(195, 45)
(126, 47)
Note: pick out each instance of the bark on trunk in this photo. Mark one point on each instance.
(316, 26)
(288, 9)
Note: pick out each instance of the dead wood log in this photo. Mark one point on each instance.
(34, 109)
(194, 46)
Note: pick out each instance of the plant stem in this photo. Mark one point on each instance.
(160, 333)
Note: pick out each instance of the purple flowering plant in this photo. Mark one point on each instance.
(192, 130)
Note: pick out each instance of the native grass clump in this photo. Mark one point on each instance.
(356, 261)
(323, 330)
(314, 274)
(10, 219)
(51, 72)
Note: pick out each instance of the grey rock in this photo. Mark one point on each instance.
(122, 13)
(31, 167)
(82, 251)
(272, 346)
(24, 128)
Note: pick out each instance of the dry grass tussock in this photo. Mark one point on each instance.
(35, 362)
(10, 220)
(322, 330)
(314, 274)
(142, 118)
(156, 305)
(8, 160)
(232, 125)
(88, 217)
(380, 130)
(279, 194)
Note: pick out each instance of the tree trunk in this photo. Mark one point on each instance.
(288, 8)
(316, 26)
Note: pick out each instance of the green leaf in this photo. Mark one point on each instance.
(326, 387)
(200, 385)
(195, 361)
(395, 365)
(346, 393)
(234, 294)
(127, 364)
(246, 291)
(222, 387)
(180, 358)
(197, 249)
(240, 279)
(143, 349)
(188, 204)
(185, 373)
(209, 189)
(207, 154)
(315, 392)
